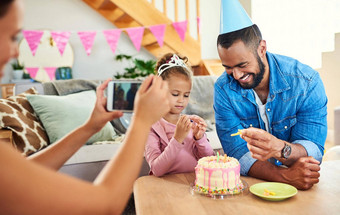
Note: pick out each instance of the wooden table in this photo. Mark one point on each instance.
(171, 195)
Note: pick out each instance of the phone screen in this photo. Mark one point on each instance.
(124, 94)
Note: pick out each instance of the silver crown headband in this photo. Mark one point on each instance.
(174, 61)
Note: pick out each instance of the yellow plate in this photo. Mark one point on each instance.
(282, 191)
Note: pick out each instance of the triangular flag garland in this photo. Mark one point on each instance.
(61, 39)
(87, 38)
(136, 36)
(50, 72)
(112, 37)
(158, 31)
(33, 39)
(181, 28)
(32, 71)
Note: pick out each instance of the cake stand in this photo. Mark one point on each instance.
(194, 191)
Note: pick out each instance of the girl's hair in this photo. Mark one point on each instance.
(169, 66)
(4, 5)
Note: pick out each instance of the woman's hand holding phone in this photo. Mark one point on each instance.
(100, 116)
(151, 102)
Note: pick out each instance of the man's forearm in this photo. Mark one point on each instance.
(303, 174)
(267, 171)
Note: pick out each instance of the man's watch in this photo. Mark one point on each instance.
(286, 151)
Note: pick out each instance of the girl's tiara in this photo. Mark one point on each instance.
(174, 61)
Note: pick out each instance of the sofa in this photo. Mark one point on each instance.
(53, 103)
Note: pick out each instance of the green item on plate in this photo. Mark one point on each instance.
(279, 191)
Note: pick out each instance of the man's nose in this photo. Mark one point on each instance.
(237, 73)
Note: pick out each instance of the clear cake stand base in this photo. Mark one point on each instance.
(194, 191)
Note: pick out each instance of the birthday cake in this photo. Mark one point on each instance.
(218, 175)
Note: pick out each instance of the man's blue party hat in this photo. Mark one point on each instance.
(233, 17)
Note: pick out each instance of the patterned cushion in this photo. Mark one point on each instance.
(17, 115)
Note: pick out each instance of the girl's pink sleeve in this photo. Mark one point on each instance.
(160, 162)
(203, 147)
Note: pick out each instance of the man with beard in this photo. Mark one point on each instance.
(278, 104)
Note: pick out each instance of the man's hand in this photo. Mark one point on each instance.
(261, 144)
(303, 174)
(183, 127)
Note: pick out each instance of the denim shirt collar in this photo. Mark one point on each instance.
(277, 81)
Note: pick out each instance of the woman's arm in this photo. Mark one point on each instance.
(55, 155)
(28, 188)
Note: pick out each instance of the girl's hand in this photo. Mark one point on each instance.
(199, 126)
(183, 127)
(100, 116)
(151, 102)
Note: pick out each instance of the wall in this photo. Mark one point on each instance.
(331, 77)
(75, 15)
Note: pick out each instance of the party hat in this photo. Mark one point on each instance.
(233, 17)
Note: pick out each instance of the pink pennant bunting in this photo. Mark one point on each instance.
(181, 28)
(32, 71)
(112, 37)
(61, 39)
(50, 72)
(158, 31)
(87, 38)
(33, 39)
(199, 25)
(136, 36)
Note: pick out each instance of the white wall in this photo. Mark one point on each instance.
(301, 29)
(75, 15)
(295, 31)
(210, 28)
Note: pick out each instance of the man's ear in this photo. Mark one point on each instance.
(262, 49)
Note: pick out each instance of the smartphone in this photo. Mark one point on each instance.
(121, 95)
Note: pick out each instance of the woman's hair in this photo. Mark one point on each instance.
(250, 36)
(4, 5)
(168, 65)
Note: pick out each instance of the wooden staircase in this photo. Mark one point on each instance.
(137, 13)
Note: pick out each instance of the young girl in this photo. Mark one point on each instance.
(176, 141)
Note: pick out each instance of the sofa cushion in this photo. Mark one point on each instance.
(18, 116)
(201, 99)
(62, 114)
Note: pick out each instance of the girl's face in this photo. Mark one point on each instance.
(179, 91)
(10, 26)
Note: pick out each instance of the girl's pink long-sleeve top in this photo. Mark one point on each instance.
(167, 156)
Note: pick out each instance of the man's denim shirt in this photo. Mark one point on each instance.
(296, 109)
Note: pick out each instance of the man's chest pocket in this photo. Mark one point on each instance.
(282, 128)
(247, 123)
